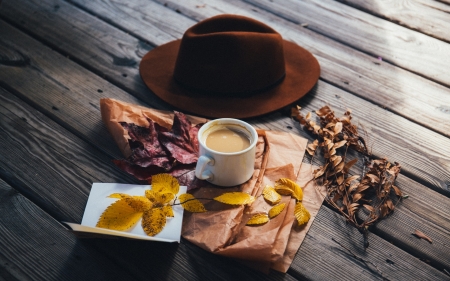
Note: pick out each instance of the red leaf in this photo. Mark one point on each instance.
(138, 172)
(181, 141)
(145, 146)
(154, 150)
(185, 174)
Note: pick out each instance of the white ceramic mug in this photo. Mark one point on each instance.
(226, 168)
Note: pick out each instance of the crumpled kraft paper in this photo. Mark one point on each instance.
(222, 229)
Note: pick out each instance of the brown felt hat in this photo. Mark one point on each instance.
(230, 66)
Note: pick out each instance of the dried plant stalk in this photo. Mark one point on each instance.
(373, 191)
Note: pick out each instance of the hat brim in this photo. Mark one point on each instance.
(302, 72)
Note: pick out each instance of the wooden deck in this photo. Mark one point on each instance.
(388, 61)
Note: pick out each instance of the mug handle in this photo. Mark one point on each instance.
(201, 166)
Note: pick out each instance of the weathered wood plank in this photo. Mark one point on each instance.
(35, 152)
(400, 46)
(410, 147)
(408, 95)
(36, 247)
(55, 169)
(87, 39)
(321, 256)
(426, 16)
(426, 211)
(389, 134)
(135, 255)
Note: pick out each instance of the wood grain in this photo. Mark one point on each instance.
(429, 17)
(400, 46)
(38, 153)
(389, 134)
(321, 256)
(55, 172)
(395, 89)
(405, 142)
(36, 247)
(423, 210)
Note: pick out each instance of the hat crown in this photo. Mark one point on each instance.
(230, 55)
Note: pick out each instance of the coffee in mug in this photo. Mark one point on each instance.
(227, 139)
(226, 152)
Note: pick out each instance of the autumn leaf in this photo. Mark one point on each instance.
(297, 191)
(339, 144)
(311, 148)
(276, 210)
(338, 128)
(138, 203)
(422, 235)
(153, 221)
(119, 216)
(301, 214)
(181, 141)
(168, 211)
(159, 199)
(146, 149)
(165, 183)
(235, 198)
(155, 150)
(191, 204)
(270, 195)
(258, 219)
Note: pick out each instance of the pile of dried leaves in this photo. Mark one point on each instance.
(155, 149)
(362, 199)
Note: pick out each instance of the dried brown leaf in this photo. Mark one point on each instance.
(397, 191)
(369, 208)
(340, 144)
(350, 179)
(349, 164)
(338, 128)
(373, 178)
(422, 235)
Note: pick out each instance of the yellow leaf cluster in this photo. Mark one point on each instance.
(153, 208)
(272, 195)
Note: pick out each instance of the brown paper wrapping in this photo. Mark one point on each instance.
(222, 230)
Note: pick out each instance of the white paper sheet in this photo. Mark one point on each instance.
(98, 201)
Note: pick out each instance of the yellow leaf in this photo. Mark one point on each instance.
(153, 221)
(235, 198)
(301, 214)
(157, 198)
(297, 191)
(258, 219)
(165, 183)
(138, 203)
(191, 204)
(168, 211)
(284, 190)
(276, 210)
(116, 195)
(119, 216)
(271, 195)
